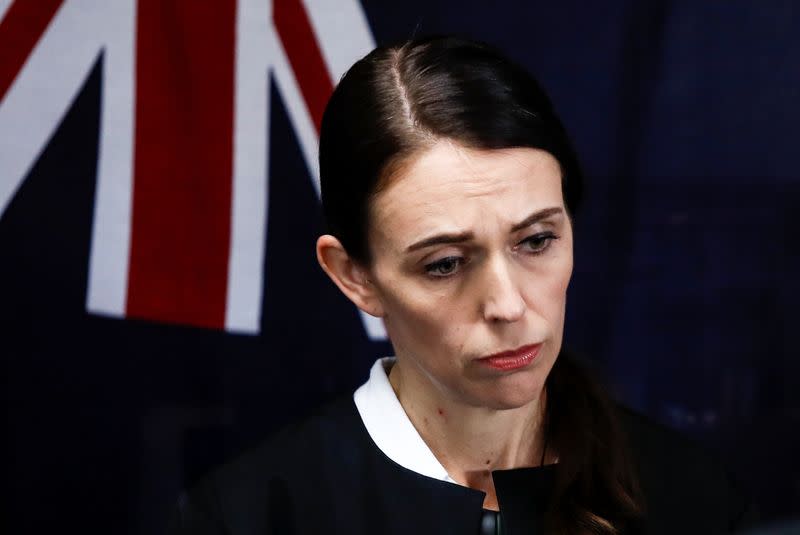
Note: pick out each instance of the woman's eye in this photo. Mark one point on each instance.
(538, 243)
(444, 267)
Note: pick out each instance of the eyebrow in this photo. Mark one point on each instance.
(444, 239)
(536, 217)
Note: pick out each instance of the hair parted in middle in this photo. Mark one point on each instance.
(401, 99)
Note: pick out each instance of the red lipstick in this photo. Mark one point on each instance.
(512, 360)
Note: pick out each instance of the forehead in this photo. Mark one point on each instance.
(451, 188)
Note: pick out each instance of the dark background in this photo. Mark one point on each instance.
(685, 294)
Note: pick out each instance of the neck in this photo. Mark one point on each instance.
(471, 441)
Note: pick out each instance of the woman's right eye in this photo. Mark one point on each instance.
(444, 267)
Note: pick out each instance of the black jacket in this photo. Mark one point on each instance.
(326, 475)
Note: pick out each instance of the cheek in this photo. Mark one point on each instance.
(546, 289)
(424, 317)
(421, 318)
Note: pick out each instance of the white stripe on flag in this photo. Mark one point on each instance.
(111, 231)
(43, 91)
(309, 145)
(295, 106)
(4, 5)
(250, 199)
(342, 32)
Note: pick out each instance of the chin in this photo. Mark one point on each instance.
(506, 403)
(511, 392)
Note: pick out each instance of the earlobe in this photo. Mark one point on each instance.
(351, 278)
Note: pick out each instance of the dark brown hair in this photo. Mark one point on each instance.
(399, 100)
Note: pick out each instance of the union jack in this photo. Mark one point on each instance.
(180, 209)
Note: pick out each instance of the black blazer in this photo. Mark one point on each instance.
(326, 475)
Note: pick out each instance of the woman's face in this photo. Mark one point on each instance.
(472, 256)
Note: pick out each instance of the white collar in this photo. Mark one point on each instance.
(389, 426)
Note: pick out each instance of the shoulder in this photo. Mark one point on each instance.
(683, 483)
(330, 430)
(299, 452)
(288, 468)
(322, 475)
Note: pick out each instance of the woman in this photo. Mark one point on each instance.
(449, 186)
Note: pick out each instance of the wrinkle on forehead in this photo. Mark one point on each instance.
(449, 185)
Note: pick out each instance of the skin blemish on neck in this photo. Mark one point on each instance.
(441, 412)
(488, 461)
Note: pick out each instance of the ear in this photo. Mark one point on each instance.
(349, 276)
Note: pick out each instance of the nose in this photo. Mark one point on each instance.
(502, 301)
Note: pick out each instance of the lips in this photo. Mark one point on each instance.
(512, 360)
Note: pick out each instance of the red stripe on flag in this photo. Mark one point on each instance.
(304, 54)
(20, 30)
(183, 161)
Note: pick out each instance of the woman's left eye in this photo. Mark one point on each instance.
(537, 243)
